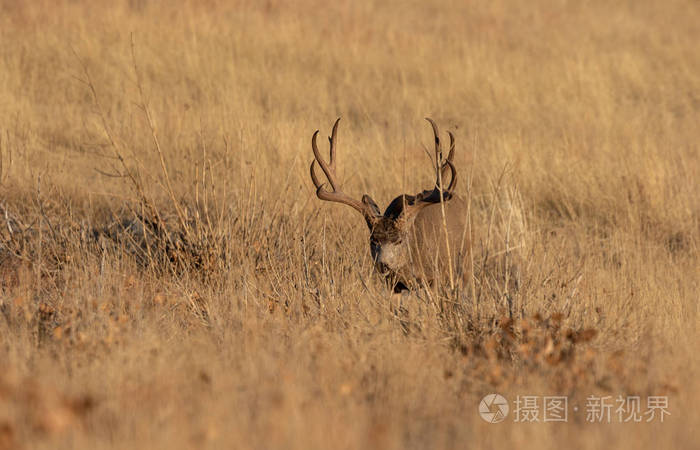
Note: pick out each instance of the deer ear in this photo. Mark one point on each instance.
(409, 213)
(372, 213)
(367, 201)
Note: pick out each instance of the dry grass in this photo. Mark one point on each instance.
(169, 280)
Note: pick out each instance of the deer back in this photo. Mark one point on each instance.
(436, 240)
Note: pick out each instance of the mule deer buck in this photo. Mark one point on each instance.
(420, 238)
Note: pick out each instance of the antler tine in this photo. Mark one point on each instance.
(451, 153)
(441, 167)
(313, 175)
(336, 195)
(328, 171)
(436, 132)
(434, 195)
(332, 141)
(444, 164)
(453, 179)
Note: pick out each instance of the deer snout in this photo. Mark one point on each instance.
(389, 256)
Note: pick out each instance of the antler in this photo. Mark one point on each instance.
(443, 165)
(328, 169)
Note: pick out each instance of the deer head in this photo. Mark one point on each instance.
(416, 234)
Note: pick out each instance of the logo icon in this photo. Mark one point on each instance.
(493, 408)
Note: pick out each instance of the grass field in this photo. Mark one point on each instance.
(168, 278)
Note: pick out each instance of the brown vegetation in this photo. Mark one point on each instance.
(168, 278)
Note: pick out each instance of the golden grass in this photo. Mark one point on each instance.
(252, 319)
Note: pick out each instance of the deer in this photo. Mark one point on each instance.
(419, 239)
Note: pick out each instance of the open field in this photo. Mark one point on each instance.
(168, 278)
